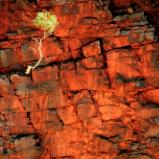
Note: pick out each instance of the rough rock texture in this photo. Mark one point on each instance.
(95, 94)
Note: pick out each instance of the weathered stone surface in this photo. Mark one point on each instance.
(80, 12)
(103, 145)
(70, 116)
(85, 79)
(112, 112)
(122, 62)
(92, 49)
(51, 73)
(153, 131)
(92, 62)
(94, 95)
(146, 113)
(5, 86)
(104, 98)
(133, 17)
(86, 111)
(149, 60)
(74, 43)
(88, 31)
(8, 57)
(152, 96)
(62, 146)
(11, 103)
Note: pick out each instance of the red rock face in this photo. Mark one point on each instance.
(94, 95)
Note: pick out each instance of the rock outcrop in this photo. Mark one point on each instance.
(95, 94)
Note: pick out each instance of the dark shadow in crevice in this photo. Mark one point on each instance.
(139, 81)
(103, 137)
(150, 105)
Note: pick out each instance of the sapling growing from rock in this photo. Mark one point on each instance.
(48, 23)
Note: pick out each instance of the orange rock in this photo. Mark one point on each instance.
(86, 111)
(45, 74)
(75, 54)
(71, 14)
(30, 50)
(70, 116)
(93, 123)
(95, 92)
(104, 98)
(122, 61)
(8, 58)
(11, 104)
(152, 96)
(112, 112)
(99, 156)
(5, 86)
(92, 62)
(153, 131)
(115, 42)
(95, 79)
(74, 44)
(146, 113)
(62, 142)
(92, 49)
(57, 100)
(104, 146)
(88, 31)
(17, 117)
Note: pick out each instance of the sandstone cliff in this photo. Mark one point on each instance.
(95, 94)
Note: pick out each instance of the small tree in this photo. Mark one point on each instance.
(48, 23)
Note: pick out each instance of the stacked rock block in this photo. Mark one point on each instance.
(94, 96)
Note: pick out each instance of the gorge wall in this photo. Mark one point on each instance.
(95, 94)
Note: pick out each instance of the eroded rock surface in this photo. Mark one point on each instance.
(95, 94)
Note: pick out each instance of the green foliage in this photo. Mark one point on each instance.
(46, 21)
